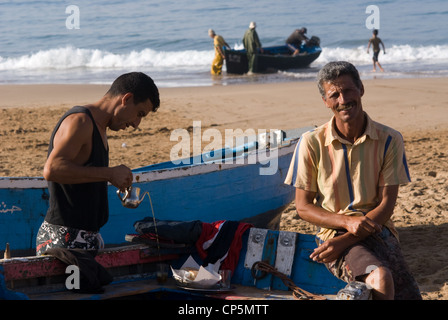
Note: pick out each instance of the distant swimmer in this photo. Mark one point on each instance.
(375, 41)
(218, 43)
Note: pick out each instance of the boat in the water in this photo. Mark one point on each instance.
(241, 183)
(271, 59)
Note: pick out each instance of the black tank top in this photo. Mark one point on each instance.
(85, 205)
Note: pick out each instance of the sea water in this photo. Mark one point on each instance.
(53, 41)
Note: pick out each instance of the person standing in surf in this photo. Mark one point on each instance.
(375, 41)
(218, 44)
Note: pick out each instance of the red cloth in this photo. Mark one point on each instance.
(208, 235)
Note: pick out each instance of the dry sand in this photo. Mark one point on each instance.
(416, 107)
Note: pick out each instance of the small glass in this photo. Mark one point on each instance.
(162, 273)
(226, 276)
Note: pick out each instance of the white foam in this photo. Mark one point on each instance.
(394, 54)
(191, 67)
(69, 57)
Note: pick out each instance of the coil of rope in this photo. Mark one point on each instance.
(297, 292)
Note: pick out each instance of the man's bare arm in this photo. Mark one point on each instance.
(358, 227)
(72, 147)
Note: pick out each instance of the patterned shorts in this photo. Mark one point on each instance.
(54, 236)
(379, 250)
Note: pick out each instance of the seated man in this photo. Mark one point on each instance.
(347, 173)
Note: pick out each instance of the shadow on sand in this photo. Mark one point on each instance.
(424, 248)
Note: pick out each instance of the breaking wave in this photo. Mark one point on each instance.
(70, 57)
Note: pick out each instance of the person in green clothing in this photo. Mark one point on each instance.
(251, 43)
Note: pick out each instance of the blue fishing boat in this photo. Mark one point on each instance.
(272, 59)
(271, 265)
(241, 183)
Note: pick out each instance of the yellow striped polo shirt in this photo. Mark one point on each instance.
(346, 176)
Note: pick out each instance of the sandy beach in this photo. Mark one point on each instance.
(415, 107)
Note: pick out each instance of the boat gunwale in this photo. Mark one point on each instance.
(174, 171)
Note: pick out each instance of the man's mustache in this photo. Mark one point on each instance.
(346, 106)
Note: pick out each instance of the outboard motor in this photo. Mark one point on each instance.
(313, 42)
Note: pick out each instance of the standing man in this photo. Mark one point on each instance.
(375, 41)
(218, 43)
(347, 173)
(251, 43)
(77, 168)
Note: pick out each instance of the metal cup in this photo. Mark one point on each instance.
(131, 197)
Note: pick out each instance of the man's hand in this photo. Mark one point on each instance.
(331, 249)
(358, 227)
(362, 226)
(121, 177)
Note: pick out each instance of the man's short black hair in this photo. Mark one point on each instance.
(140, 85)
